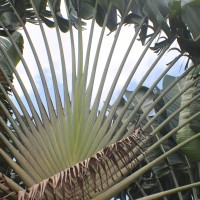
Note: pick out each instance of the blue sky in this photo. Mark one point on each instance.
(123, 42)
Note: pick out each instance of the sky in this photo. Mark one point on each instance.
(123, 42)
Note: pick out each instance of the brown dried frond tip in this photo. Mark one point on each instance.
(89, 176)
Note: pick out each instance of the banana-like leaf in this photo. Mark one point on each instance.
(190, 17)
(7, 16)
(9, 48)
(176, 104)
(12, 53)
(25, 10)
(52, 140)
(161, 168)
(85, 8)
(192, 149)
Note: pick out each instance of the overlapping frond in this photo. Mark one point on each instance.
(93, 175)
(4, 69)
(60, 142)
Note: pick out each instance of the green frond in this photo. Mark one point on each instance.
(60, 141)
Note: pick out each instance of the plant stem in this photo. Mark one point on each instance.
(172, 191)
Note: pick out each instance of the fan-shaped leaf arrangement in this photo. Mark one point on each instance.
(60, 142)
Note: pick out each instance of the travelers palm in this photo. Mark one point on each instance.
(67, 146)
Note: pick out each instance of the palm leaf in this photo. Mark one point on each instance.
(62, 144)
(9, 48)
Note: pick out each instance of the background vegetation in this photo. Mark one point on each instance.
(66, 146)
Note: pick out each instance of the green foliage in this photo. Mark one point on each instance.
(5, 74)
(175, 166)
(191, 109)
(68, 148)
